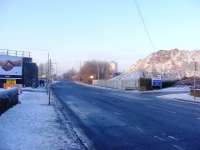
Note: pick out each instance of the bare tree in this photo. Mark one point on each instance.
(95, 69)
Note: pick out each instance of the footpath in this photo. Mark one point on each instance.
(34, 125)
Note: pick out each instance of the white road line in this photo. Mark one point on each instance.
(140, 130)
(159, 138)
(173, 112)
(172, 137)
(178, 147)
(117, 113)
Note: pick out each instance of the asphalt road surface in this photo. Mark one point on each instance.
(115, 120)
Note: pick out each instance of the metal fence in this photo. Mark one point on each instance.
(15, 53)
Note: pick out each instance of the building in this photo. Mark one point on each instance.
(113, 66)
(17, 68)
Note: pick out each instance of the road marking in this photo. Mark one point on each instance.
(117, 113)
(178, 147)
(173, 112)
(159, 138)
(172, 137)
(140, 130)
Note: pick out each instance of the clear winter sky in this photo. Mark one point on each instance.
(78, 30)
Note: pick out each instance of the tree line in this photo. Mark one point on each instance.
(88, 71)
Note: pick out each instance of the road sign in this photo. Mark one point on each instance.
(157, 81)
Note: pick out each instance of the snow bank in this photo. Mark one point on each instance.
(176, 89)
(181, 96)
(8, 98)
(2, 89)
(171, 89)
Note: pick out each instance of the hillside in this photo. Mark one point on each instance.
(175, 63)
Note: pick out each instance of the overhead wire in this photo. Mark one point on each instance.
(137, 5)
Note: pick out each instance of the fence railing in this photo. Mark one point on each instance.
(15, 53)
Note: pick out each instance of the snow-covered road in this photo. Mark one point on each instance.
(114, 120)
(34, 125)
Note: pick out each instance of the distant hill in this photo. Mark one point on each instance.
(175, 63)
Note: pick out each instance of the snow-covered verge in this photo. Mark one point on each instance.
(170, 89)
(164, 90)
(176, 89)
(34, 125)
(180, 96)
(30, 89)
(2, 89)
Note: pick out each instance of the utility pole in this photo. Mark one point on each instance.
(80, 71)
(49, 78)
(194, 87)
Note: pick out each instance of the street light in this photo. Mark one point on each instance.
(91, 77)
(194, 86)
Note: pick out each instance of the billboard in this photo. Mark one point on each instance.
(10, 66)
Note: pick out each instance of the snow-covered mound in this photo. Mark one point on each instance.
(131, 75)
(135, 75)
(170, 63)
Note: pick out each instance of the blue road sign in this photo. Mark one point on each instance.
(157, 83)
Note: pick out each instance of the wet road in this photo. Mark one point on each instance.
(131, 121)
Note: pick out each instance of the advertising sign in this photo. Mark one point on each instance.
(10, 83)
(10, 66)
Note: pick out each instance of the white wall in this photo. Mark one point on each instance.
(118, 84)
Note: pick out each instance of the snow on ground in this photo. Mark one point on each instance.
(34, 125)
(30, 89)
(180, 96)
(170, 89)
(176, 89)
(2, 89)
(129, 75)
(164, 90)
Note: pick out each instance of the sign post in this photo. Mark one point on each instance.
(157, 81)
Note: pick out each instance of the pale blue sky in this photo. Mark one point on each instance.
(77, 30)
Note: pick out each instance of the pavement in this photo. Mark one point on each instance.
(113, 120)
(34, 125)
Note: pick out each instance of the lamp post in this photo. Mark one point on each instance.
(98, 71)
(91, 78)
